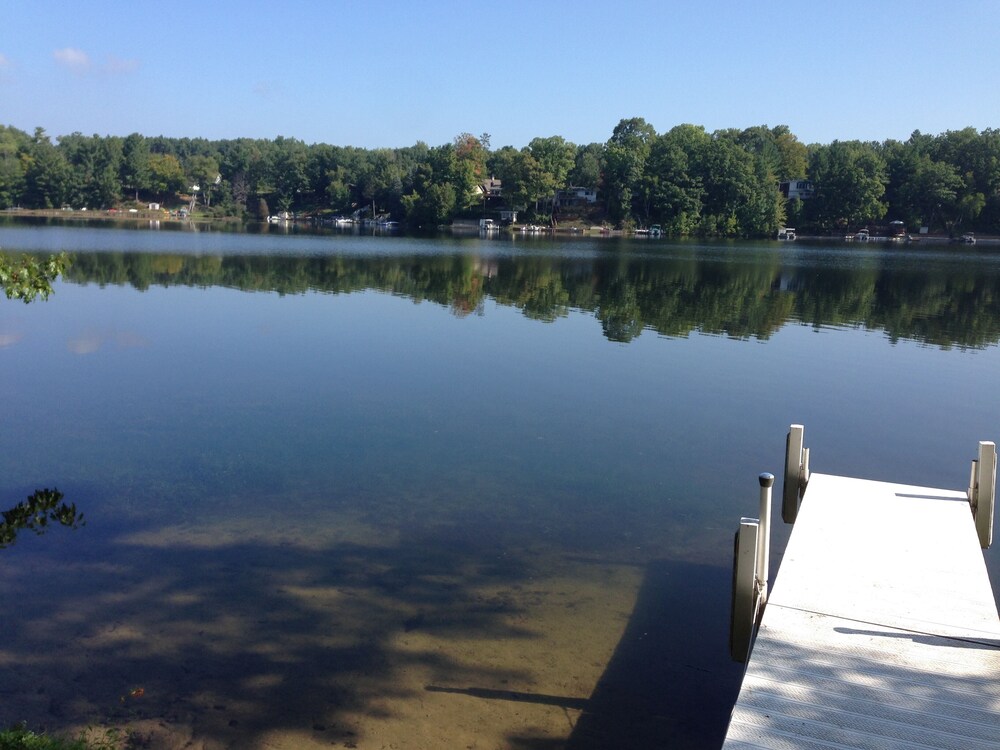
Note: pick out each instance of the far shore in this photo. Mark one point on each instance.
(461, 226)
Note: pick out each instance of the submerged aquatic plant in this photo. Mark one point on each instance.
(21, 738)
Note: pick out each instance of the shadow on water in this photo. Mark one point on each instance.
(655, 692)
(659, 689)
(226, 642)
(237, 640)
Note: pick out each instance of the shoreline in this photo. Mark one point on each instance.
(465, 227)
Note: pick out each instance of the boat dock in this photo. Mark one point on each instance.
(881, 630)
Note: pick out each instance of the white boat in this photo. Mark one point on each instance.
(786, 234)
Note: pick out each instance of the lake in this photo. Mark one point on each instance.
(386, 491)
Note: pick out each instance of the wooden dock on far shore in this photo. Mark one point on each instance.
(881, 630)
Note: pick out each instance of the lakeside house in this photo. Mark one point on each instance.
(574, 196)
(491, 188)
(801, 189)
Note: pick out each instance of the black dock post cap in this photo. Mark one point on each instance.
(766, 479)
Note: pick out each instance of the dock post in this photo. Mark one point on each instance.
(743, 613)
(793, 473)
(764, 537)
(982, 491)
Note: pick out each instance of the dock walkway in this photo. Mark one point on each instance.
(881, 630)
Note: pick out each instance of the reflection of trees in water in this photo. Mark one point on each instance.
(947, 305)
(36, 513)
(27, 278)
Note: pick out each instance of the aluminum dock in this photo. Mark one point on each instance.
(881, 630)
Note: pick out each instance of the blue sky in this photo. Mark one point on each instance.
(388, 74)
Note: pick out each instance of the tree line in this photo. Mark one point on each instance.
(687, 180)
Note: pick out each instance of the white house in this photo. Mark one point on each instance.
(491, 188)
(574, 196)
(802, 189)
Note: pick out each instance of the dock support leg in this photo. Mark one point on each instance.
(743, 616)
(796, 459)
(982, 491)
(764, 537)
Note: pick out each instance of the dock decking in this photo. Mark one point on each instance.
(881, 630)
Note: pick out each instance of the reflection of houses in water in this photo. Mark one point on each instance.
(486, 267)
(788, 282)
(801, 189)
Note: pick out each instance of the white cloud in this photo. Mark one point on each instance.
(73, 59)
(4, 61)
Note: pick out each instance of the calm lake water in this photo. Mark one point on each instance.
(399, 492)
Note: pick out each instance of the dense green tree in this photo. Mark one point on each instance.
(381, 181)
(976, 158)
(673, 189)
(288, 176)
(588, 166)
(238, 164)
(625, 161)
(989, 219)
(203, 171)
(929, 190)
(850, 179)
(94, 178)
(523, 179)
(14, 145)
(781, 154)
(728, 178)
(135, 172)
(433, 206)
(555, 157)
(504, 164)
(46, 174)
(469, 168)
(166, 176)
